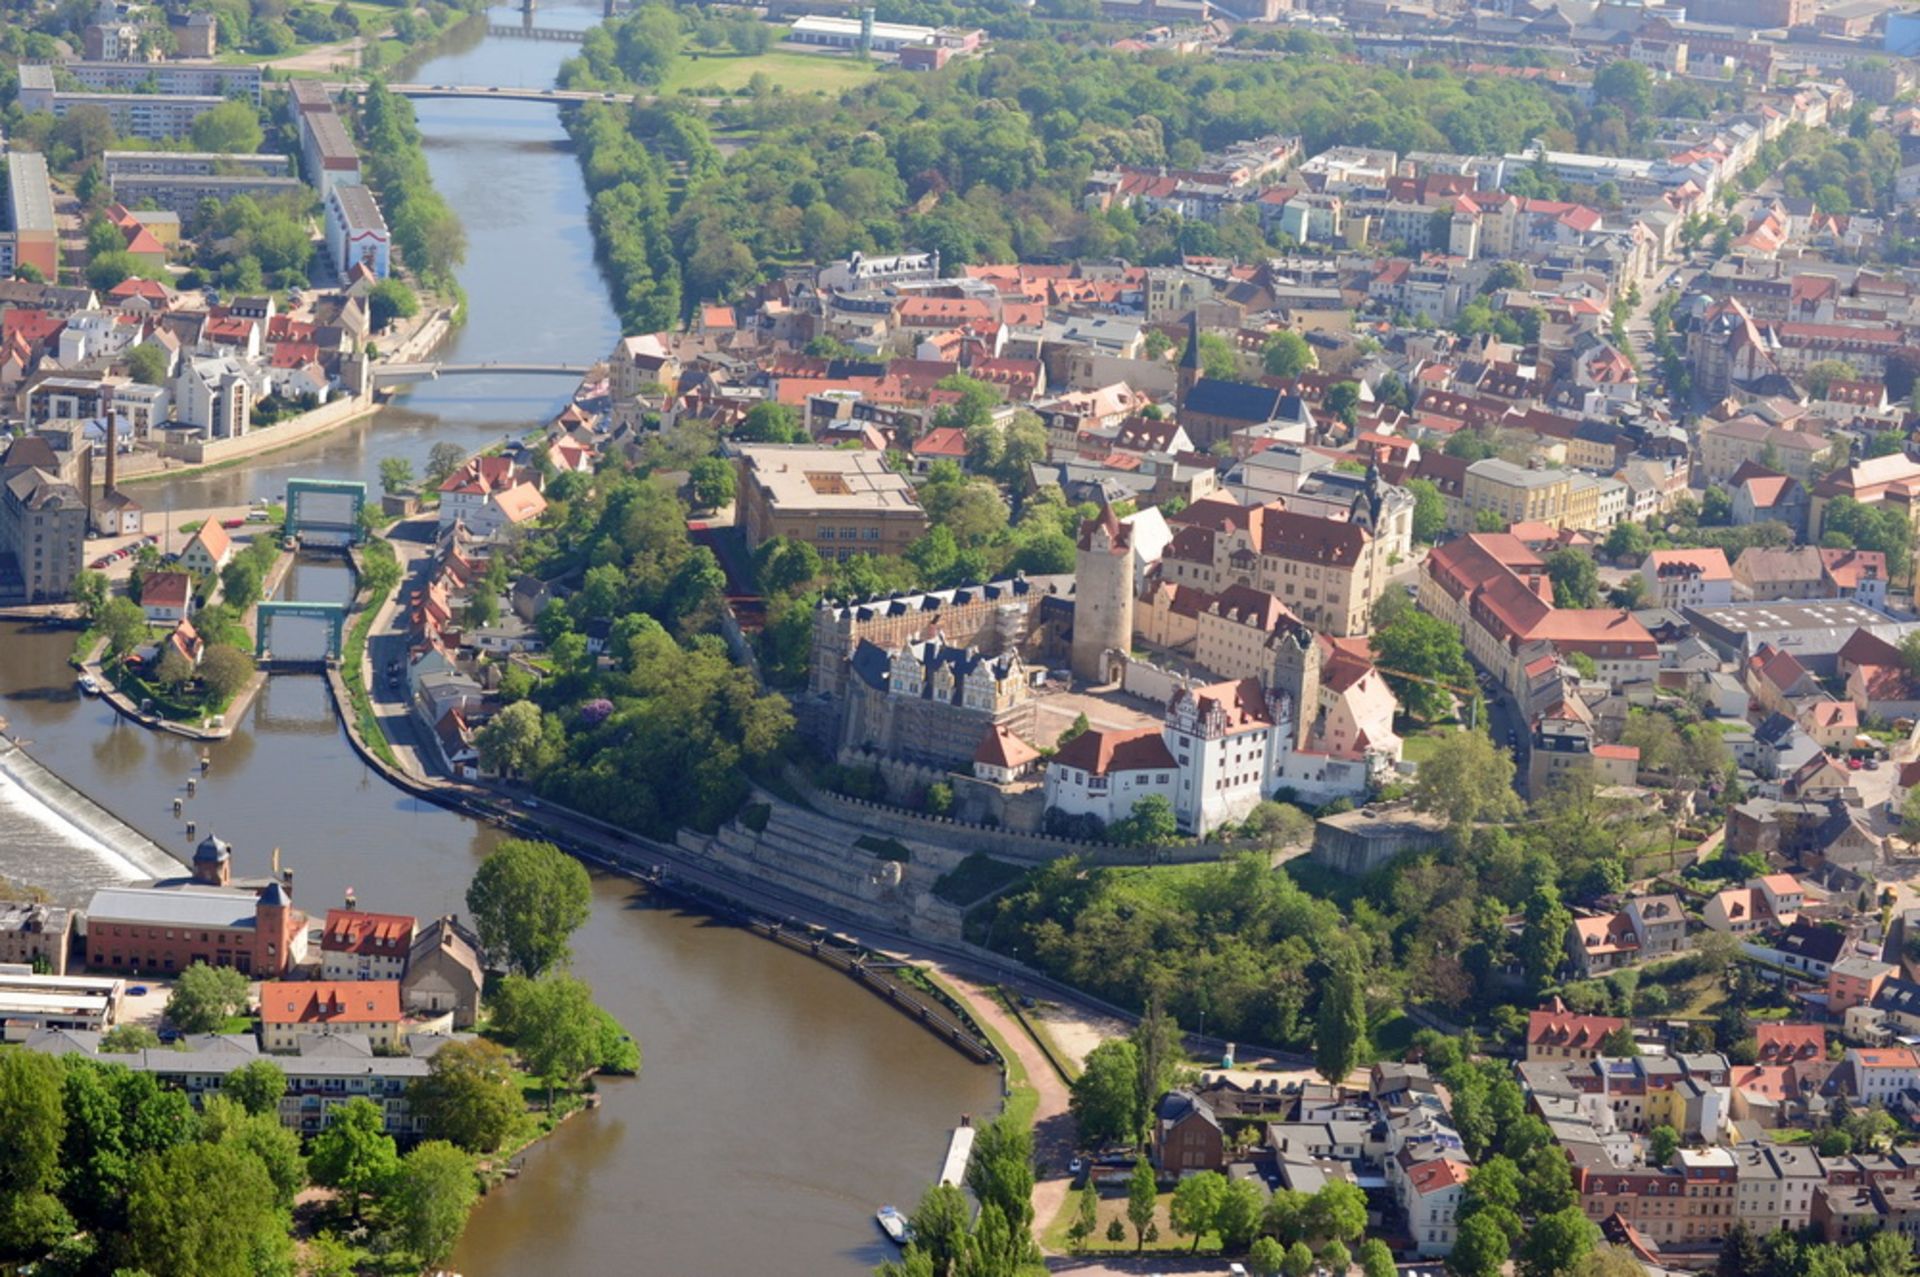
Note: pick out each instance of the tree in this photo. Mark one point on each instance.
(1196, 1200)
(1628, 543)
(1340, 1032)
(1556, 1243)
(1466, 780)
(1266, 1257)
(90, 591)
(1298, 1261)
(1086, 1216)
(256, 1086)
(1619, 1043)
(1479, 1248)
(1106, 1102)
(1494, 1190)
(33, 1114)
(1662, 1143)
(1287, 354)
(224, 670)
(1343, 401)
(1275, 825)
(1143, 1194)
(1429, 511)
(431, 1199)
(1000, 1176)
(555, 1026)
(940, 1225)
(469, 1096)
(1218, 360)
(226, 1121)
(354, 1154)
(1420, 646)
(147, 364)
(1626, 85)
(712, 482)
(771, 423)
(1821, 375)
(1576, 582)
(232, 128)
(391, 299)
(527, 899)
(396, 474)
(1543, 939)
(174, 670)
(442, 460)
(206, 1210)
(1151, 823)
(1238, 1216)
(203, 997)
(1336, 1257)
(127, 1039)
(1376, 1260)
(513, 741)
(1337, 1212)
(1156, 1037)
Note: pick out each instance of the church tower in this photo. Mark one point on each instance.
(1102, 594)
(1296, 673)
(1189, 361)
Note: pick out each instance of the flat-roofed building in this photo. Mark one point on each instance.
(30, 238)
(180, 181)
(30, 1002)
(331, 157)
(841, 503)
(169, 79)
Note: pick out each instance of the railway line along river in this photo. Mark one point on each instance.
(779, 1102)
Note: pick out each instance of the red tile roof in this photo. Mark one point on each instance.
(330, 1002)
(358, 931)
(1101, 753)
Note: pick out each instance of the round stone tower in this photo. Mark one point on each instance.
(1102, 595)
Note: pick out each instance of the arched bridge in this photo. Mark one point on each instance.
(394, 374)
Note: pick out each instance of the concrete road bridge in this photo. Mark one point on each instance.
(397, 373)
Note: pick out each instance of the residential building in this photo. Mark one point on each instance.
(1328, 572)
(152, 116)
(444, 973)
(167, 597)
(1187, 1136)
(1688, 578)
(291, 1010)
(360, 945)
(179, 181)
(489, 494)
(1555, 1033)
(35, 935)
(210, 549)
(1882, 1074)
(841, 503)
(1515, 494)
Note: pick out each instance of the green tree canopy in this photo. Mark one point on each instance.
(527, 899)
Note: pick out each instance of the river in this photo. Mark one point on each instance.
(778, 1103)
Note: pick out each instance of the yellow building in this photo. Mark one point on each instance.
(1516, 493)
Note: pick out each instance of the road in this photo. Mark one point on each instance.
(389, 639)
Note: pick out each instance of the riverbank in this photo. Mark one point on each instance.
(220, 454)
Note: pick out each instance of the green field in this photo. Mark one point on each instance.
(791, 72)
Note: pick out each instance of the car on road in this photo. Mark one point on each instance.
(1873, 763)
(548, 92)
(1854, 764)
(137, 990)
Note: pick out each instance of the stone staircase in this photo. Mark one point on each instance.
(817, 856)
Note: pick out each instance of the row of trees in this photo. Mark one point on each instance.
(429, 236)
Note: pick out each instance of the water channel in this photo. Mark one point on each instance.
(779, 1104)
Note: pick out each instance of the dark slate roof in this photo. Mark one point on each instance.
(1237, 400)
(1815, 943)
(1898, 996)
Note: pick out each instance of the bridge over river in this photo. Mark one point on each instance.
(397, 373)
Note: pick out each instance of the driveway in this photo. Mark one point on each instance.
(388, 642)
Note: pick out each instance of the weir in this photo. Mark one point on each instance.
(85, 818)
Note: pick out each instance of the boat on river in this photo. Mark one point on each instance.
(89, 685)
(894, 1225)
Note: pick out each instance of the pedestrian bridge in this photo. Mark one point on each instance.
(398, 374)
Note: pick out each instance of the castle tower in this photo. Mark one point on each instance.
(1296, 672)
(272, 930)
(1102, 594)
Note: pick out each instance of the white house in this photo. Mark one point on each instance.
(1880, 1074)
(1688, 578)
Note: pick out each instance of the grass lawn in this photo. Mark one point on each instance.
(791, 72)
(1418, 749)
(1022, 1101)
(1113, 1205)
(1392, 1034)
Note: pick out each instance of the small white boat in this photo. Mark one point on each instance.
(89, 685)
(894, 1225)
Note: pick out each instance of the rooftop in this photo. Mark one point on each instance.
(800, 478)
(29, 199)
